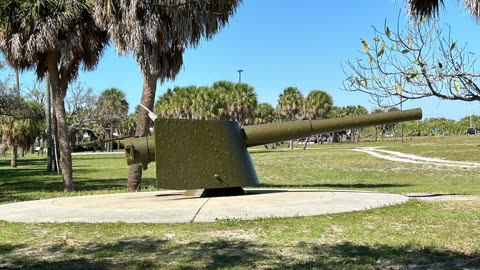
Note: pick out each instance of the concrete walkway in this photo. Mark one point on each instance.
(173, 207)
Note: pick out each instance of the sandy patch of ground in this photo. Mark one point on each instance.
(409, 158)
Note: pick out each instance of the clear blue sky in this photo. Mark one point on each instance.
(282, 43)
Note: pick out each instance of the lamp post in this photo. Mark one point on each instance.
(240, 75)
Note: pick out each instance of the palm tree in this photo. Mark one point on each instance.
(317, 105)
(379, 127)
(111, 111)
(241, 102)
(164, 105)
(429, 8)
(290, 104)
(157, 33)
(22, 132)
(352, 110)
(265, 113)
(210, 104)
(57, 37)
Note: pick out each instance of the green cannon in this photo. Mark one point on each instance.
(212, 155)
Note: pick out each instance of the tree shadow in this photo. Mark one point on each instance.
(26, 189)
(335, 186)
(6, 248)
(150, 253)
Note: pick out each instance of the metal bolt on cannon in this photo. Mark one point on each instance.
(210, 158)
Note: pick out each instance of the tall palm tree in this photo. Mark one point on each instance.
(157, 33)
(241, 102)
(429, 8)
(317, 105)
(57, 37)
(352, 110)
(290, 104)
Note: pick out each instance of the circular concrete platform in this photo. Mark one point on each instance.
(173, 207)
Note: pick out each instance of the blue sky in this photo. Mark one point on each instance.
(280, 43)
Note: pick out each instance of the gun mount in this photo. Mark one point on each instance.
(209, 154)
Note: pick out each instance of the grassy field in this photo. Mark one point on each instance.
(414, 235)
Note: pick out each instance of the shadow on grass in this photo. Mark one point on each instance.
(5, 248)
(335, 186)
(26, 189)
(30, 180)
(155, 254)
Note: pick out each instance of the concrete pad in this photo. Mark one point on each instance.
(173, 207)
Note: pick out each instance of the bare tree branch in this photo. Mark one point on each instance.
(414, 62)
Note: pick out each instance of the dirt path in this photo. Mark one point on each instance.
(409, 158)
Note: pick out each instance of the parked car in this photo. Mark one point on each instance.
(312, 139)
(471, 131)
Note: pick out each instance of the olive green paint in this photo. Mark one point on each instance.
(200, 154)
(284, 131)
(206, 154)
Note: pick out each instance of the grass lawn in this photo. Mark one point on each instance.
(414, 235)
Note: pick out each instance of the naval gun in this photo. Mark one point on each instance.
(211, 155)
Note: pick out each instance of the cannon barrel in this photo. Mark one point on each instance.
(284, 131)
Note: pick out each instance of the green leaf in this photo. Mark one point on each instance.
(374, 78)
(457, 86)
(399, 88)
(405, 51)
(370, 59)
(364, 83)
(376, 39)
(418, 63)
(382, 49)
(365, 45)
(409, 42)
(387, 32)
(454, 44)
(440, 65)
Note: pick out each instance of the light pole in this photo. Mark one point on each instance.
(240, 75)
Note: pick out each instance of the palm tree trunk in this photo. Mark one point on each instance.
(110, 144)
(63, 143)
(13, 160)
(49, 125)
(143, 124)
(305, 143)
(58, 92)
(3, 145)
(55, 153)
